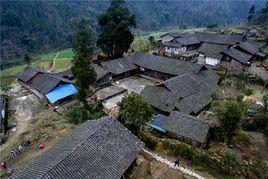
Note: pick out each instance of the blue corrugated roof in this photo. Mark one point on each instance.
(61, 92)
(159, 122)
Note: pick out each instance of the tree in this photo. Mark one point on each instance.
(251, 12)
(82, 69)
(27, 59)
(230, 116)
(115, 37)
(134, 111)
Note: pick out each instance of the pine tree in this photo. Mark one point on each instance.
(251, 12)
(27, 59)
(82, 69)
(115, 37)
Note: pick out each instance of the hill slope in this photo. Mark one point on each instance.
(42, 26)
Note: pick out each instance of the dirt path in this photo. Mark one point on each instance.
(170, 164)
(54, 62)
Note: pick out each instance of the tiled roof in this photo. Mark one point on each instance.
(48, 82)
(187, 40)
(238, 55)
(28, 73)
(251, 48)
(65, 74)
(212, 50)
(173, 34)
(97, 149)
(189, 93)
(226, 39)
(119, 66)
(164, 64)
(187, 126)
(101, 72)
(172, 44)
(159, 97)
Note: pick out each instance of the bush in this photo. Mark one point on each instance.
(149, 141)
(248, 91)
(230, 159)
(76, 114)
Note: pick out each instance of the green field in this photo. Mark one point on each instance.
(68, 53)
(62, 63)
(64, 58)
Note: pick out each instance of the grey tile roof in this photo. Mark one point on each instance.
(48, 82)
(212, 50)
(164, 64)
(183, 86)
(97, 149)
(189, 93)
(119, 66)
(28, 73)
(226, 39)
(188, 40)
(65, 74)
(187, 126)
(251, 48)
(101, 72)
(238, 55)
(172, 44)
(159, 97)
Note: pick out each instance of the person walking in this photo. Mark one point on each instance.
(177, 162)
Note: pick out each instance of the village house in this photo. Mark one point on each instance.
(188, 93)
(120, 68)
(191, 129)
(98, 149)
(29, 75)
(181, 45)
(103, 78)
(53, 88)
(3, 118)
(210, 54)
(236, 60)
(162, 67)
(169, 37)
(252, 48)
(222, 39)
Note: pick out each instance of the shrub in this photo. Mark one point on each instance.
(149, 141)
(76, 114)
(230, 159)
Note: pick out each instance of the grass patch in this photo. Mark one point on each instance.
(68, 53)
(141, 44)
(12, 71)
(62, 63)
(48, 56)
(237, 29)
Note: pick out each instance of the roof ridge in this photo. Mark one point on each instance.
(104, 118)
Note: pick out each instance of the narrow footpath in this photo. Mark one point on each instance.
(171, 165)
(54, 62)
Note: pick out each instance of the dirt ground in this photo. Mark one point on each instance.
(31, 120)
(150, 168)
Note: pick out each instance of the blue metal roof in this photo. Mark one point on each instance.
(61, 92)
(159, 122)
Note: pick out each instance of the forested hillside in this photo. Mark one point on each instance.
(42, 26)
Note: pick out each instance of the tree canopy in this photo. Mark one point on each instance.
(134, 111)
(82, 69)
(116, 36)
(230, 116)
